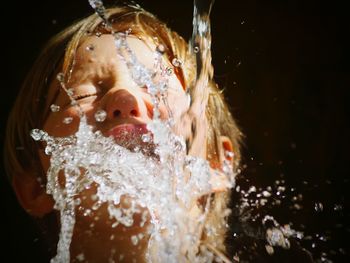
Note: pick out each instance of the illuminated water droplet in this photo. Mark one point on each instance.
(318, 207)
(54, 108)
(169, 71)
(161, 48)
(100, 115)
(67, 120)
(70, 92)
(49, 149)
(37, 134)
(128, 31)
(269, 249)
(338, 207)
(80, 257)
(134, 240)
(60, 77)
(266, 194)
(196, 49)
(176, 62)
(146, 137)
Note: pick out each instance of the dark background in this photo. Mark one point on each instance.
(285, 70)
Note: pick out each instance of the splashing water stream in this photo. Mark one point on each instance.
(163, 186)
(166, 187)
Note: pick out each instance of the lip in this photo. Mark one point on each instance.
(128, 130)
(129, 136)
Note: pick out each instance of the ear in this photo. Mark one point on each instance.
(226, 150)
(31, 195)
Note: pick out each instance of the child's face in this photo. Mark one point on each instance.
(101, 80)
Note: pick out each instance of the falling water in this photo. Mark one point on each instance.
(163, 186)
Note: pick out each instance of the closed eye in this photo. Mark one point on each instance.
(83, 96)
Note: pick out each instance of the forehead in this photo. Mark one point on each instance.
(103, 49)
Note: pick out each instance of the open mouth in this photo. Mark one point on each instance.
(134, 137)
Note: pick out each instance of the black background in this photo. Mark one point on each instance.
(284, 66)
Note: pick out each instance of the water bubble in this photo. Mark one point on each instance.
(54, 108)
(176, 62)
(37, 134)
(67, 120)
(100, 115)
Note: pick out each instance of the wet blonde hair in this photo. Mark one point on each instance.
(31, 106)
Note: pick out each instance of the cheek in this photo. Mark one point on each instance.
(62, 124)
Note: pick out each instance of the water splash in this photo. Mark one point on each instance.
(164, 186)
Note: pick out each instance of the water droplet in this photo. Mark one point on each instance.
(80, 257)
(229, 154)
(161, 48)
(266, 193)
(90, 48)
(60, 77)
(269, 249)
(134, 240)
(128, 31)
(176, 62)
(49, 149)
(67, 120)
(37, 134)
(54, 108)
(70, 92)
(169, 71)
(338, 207)
(252, 189)
(318, 207)
(146, 137)
(196, 49)
(100, 115)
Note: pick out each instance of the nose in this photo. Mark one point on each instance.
(122, 104)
